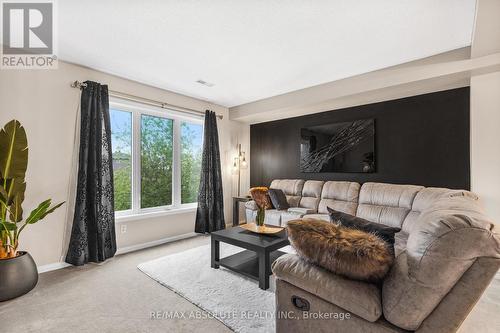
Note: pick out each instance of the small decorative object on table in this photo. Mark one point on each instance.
(261, 215)
(261, 229)
(263, 202)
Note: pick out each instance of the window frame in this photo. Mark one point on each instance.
(137, 110)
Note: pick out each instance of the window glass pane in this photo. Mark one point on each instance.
(156, 161)
(191, 148)
(121, 143)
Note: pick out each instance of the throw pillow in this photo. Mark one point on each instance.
(278, 198)
(348, 252)
(385, 233)
(261, 197)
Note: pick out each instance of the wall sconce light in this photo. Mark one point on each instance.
(234, 169)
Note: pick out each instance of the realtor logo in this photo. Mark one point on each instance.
(28, 35)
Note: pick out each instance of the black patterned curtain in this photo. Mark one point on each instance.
(210, 212)
(93, 233)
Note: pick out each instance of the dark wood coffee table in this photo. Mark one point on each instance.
(255, 262)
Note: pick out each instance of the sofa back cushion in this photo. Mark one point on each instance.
(311, 194)
(387, 204)
(448, 237)
(339, 195)
(292, 189)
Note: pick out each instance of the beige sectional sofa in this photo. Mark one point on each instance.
(446, 255)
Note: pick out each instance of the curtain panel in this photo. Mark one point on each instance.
(210, 212)
(93, 236)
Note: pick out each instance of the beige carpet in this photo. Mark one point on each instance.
(117, 297)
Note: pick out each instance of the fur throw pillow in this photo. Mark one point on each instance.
(349, 252)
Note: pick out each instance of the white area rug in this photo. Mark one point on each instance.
(235, 300)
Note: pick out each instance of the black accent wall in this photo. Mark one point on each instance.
(421, 140)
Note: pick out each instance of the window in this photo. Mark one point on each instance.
(191, 146)
(156, 161)
(156, 158)
(121, 143)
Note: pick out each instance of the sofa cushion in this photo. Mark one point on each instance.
(387, 204)
(311, 194)
(273, 217)
(278, 199)
(324, 217)
(301, 210)
(361, 298)
(250, 215)
(292, 189)
(289, 216)
(251, 205)
(341, 196)
(348, 252)
(382, 231)
(447, 239)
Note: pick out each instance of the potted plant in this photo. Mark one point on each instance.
(18, 272)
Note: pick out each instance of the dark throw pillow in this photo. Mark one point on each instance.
(278, 198)
(348, 252)
(385, 233)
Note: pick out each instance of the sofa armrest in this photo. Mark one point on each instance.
(361, 298)
(251, 205)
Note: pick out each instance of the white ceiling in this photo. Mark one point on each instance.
(255, 49)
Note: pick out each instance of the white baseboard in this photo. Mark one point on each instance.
(137, 247)
(52, 267)
(126, 249)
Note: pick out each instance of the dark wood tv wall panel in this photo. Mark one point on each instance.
(420, 140)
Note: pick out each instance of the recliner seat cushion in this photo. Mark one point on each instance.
(323, 217)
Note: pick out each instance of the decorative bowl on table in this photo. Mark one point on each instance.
(264, 229)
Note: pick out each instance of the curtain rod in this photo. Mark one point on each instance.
(128, 97)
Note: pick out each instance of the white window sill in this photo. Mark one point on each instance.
(155, 214)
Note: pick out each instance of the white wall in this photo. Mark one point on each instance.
(485, 111)
(485, 141)
(46, 105)
(240, 133)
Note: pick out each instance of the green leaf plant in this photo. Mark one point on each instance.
(13, 166)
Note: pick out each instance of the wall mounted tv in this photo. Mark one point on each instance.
(338, 147)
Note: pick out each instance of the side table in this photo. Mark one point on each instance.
(236, 208)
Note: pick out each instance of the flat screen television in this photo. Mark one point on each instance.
(347, 147)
